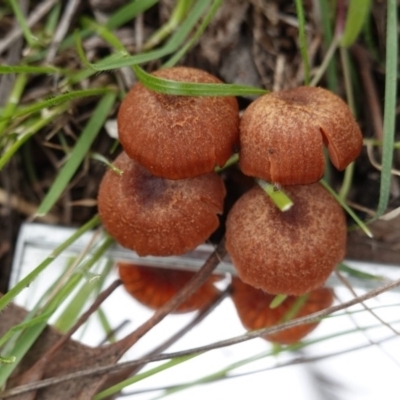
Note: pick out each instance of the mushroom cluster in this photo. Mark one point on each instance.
(293, 252)
(281, 140)
(168, 197)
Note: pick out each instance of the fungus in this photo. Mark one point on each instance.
(178, 137)
(253, 308)
(290, 252)
(156, 216)
(153, 286)
(282, 135)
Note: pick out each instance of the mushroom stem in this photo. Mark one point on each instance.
(280, 199)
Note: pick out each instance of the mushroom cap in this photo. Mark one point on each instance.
(178, 137)
(291, 252)
(153, 286)
(253, 308)
(156, 216)
(282, 135)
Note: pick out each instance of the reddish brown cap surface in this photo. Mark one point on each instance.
(178, 137)
(153, 287)
(253, 308)
(291, 252)
(282, 135)
(156, 216)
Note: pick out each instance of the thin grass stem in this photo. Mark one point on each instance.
(303, 40)
(389, 106)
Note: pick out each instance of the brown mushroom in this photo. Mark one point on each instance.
(253, 308)
(178, 137)
(153, 286)
(290, 252)
(282, 135)
(156, 216)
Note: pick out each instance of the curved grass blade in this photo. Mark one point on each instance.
(357, 14)
(79, 152)
(194, 89)
(104, 33)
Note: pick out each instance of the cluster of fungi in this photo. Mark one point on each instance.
(168, 197)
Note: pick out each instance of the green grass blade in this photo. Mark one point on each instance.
(331, 71)
(9, 296)
(22, 22)
(177, 15)
(123, 15)
(54, 101)
(359, 274)
(90, 288)
(15, 96)
(278, 196)
(79, 152)
(23, 325)
(194, 89)
(24, 343)
(303, 40)
(357, 14)
(128, 12)
(389, 118)
(174, 43)
(27, 69)
(104, 32)
(99, 157)
(68, 317)
(52, 20)
(349, 211)
(29, 336)
(206, 21)
(118, 387)
(277, 301)
(32, 129)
